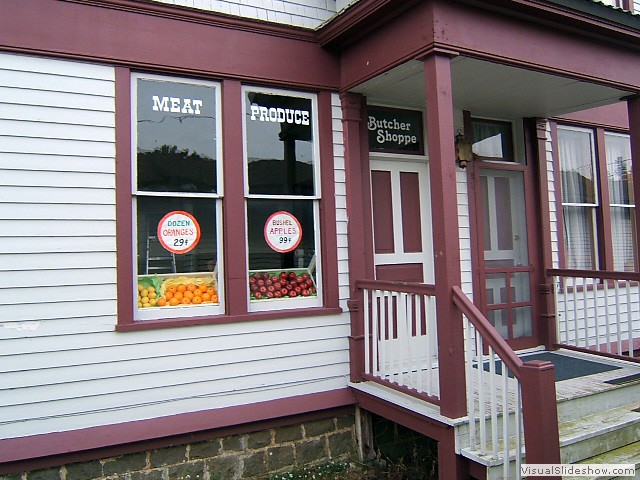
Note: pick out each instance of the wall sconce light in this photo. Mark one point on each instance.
(464, 151)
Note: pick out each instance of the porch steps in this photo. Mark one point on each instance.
(596, 426)
(629, 454)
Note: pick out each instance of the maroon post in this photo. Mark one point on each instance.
(546, 292)
(442, 165)
(358, 208)
(236, 279)
(633, 106)
(540, 414)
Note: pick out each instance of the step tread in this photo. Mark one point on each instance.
(629, 454)
(599, 423)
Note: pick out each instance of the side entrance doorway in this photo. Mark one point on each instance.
(505, 269)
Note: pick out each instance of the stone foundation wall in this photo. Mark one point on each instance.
(255, 455)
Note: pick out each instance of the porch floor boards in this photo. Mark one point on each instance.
(565, 389)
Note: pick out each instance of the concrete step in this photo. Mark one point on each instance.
(629, 454)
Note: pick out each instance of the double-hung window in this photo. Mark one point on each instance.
(598, 210)
(177, 197)
(282, 199)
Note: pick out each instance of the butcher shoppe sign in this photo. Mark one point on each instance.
(393, 130)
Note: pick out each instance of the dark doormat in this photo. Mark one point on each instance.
(565, 367)
(624, 380)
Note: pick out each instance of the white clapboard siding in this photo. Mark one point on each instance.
(62, 364)
(46, 244)
(144, 404)
(100, 347)
(301, 13)
(464, 232)
(39, 195)
(61, 100)
(61, 163)
(341, 200)
(51, 116)
(178, 357)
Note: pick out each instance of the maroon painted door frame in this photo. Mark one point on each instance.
(536, 266)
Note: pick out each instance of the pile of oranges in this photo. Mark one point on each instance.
(177, 294)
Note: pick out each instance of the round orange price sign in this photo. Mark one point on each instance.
(179, 232)
(283, 232)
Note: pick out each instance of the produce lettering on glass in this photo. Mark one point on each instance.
(282, 232)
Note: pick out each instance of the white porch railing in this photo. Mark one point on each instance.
(400, 334)
(509, 402)
(598, 311)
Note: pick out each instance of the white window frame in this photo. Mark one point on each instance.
(190, 311)
(286, 303)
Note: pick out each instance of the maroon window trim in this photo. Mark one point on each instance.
(603, 209)
(234, 251)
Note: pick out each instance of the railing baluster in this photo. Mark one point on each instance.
(375, 324)
(494, 404)
(596, 315)
(585, 301)
(481, 400)
(616, 291)
(403, 337)
(471, 400)
(575, 312)
(383, 334)
(629, 319)
(505, 420)
(606, 314)
(367, 332)
(518, 428)
(419, 335)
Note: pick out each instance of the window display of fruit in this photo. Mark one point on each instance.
(269, 285)
(176, 291)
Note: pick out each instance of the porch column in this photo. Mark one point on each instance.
(546, 291)
(446, 245)
(633, 106)
(358, 228)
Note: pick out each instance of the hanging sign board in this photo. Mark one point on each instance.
(283, 232)
(394, 130)
(178, 232)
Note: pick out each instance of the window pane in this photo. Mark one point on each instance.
(176, 137)
(297, 253)
(619, 169)
(579, 237)
(576, 166)
(624, 239)
(493, 140)
(280, 149)
(159, 258)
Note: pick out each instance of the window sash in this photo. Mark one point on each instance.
(313, 197)
(187, 312)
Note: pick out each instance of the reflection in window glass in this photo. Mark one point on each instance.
(282, 219)
(279, 134)
(176, 137)
(623, 225)
(492, 140)
(579, 197)
(177, 235)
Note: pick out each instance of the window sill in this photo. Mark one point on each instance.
(223, 319)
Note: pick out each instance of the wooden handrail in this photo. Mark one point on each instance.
(603, 274)
(488, 332)
(404, 287)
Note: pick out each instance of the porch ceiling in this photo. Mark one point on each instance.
(491, 89)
